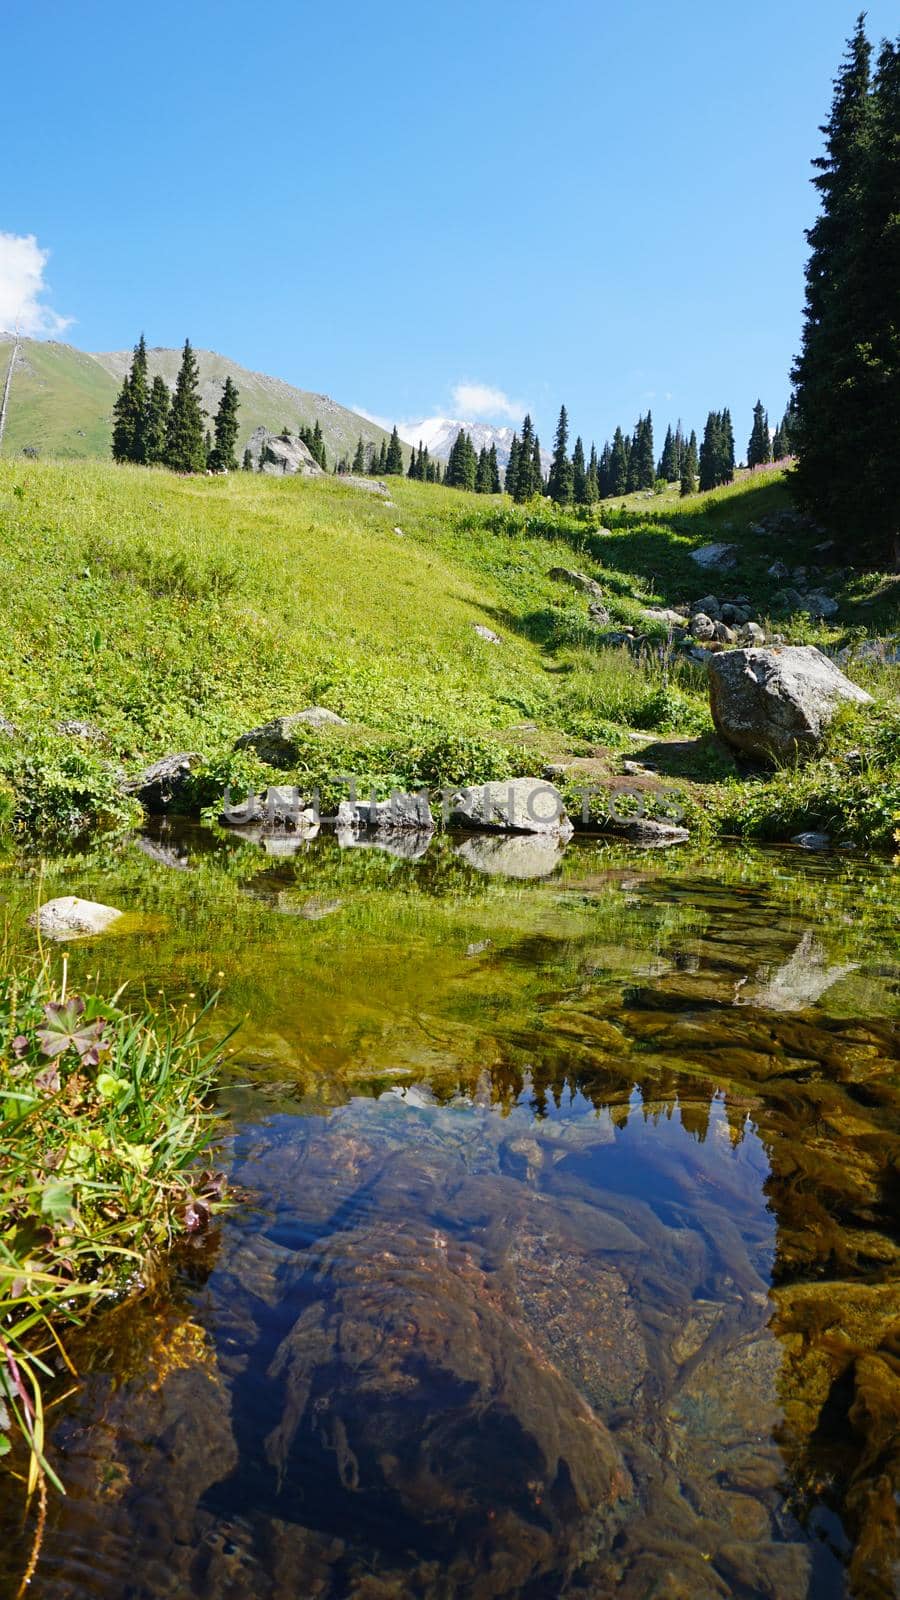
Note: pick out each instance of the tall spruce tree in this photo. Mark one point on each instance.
(483, 472)
(560, 481)
(690, 462)
(579, 474)
(185, 435)
(130, 410)
(247, 462)
(393, 465)
(711, 451)
(618, 465)
(494, 469)
(525, 486)
(512, 466)
(646, 470)
(222, 457)
(669, 464)
(848, 372)
(592, 481)
(726, 469)
(537, 468)
(359, 457)
(759, 448)
(157, 422)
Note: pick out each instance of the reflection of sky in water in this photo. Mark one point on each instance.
(574, 1128)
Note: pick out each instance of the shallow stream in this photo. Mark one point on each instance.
(564, 1258)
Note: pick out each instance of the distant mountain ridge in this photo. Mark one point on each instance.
(61, 399)
(438, 434)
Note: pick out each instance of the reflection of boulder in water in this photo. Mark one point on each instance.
(800, 982)
(519, 856)
(408, 1394)
(407, 844)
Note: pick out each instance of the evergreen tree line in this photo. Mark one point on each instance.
(150, 427)
(524, 469)
(314, 440)
(422, 468)
(627, 463)
(467, 468)
(372, 460)
(847, 375)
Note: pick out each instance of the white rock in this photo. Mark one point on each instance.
(69, 918)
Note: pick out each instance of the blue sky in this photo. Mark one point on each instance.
(575, 201)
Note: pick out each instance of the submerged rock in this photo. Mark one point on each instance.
(69, 917)
(777, 702)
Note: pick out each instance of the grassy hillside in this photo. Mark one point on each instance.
(174, 614)
(60, 403)
(62, 398)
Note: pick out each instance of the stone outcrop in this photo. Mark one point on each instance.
(777, 703)
(158, 787)
(282, 456)
(275, 741)
(514, 805)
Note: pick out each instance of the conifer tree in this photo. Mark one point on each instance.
(317, 446)
(222, 457)
(381, 467)
(537, 468)
(646, 462)
(483, 473)
(247, 463)
(759, 448)
(668, 462)
(560, 481)
(711, 451)
(618, 465)
(579, 474)
(359, 459)
(726, 470)
(130, 410)
(847, 419)
(604, 472)
(123, 422)
(157, 422)
(512, 466)
(592, 481)
(393, 465)
(185, 436)
(690, 462)
(494, 470)
(525, 476)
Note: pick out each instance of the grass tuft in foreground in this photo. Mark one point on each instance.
(104, 1116)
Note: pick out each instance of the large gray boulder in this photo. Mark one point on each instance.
(514, 805)
(715, 555)
(402, 813)
(777, 703)
(280, 456)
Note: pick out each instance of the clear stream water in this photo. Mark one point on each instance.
(563, 1258)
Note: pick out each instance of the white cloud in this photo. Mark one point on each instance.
(482, 400)
(22, 264)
